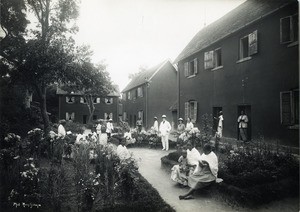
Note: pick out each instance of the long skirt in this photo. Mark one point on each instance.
(202, 178)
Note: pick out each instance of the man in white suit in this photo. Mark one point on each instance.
(164, 129)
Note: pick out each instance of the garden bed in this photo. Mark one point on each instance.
(254, 181)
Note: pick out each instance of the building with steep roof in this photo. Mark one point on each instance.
(247, 60)
(151, 93)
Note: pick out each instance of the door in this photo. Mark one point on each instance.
(247, 111)
(134, 120)
(84, 119)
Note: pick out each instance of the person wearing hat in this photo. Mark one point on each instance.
(180, 127)
(61, 131)
(164, 129)
(155, 125)
(109, 128)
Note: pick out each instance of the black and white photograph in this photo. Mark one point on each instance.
(149, 105)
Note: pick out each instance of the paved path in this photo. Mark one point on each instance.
(150, 168)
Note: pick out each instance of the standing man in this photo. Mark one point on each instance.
(164, 129)
(243, 126)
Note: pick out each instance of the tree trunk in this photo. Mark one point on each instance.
(91, 107)
(43, 107)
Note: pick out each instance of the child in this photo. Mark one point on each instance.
(183, 167)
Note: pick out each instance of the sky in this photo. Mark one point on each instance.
(129, 34)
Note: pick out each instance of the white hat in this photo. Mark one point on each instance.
(110, 120)
(180, 119)
(163, 116)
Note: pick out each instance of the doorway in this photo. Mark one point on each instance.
(247, 111)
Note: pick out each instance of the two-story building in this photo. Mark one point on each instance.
(247, 60)
(73, 106)
(151, 93)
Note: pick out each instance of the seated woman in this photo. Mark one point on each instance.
(205, 174)
(192, 158)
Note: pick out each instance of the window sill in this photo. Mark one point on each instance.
(295, 43)
(217, 68)
(191, 76)
(244, 59)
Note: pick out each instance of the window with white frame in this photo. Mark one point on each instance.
(108, 116)
(191, 68)
(70, 99)
(108, 100)
(289, 29)
(96, 100)
(124, 96)
(83, 100)
(218, 58)
(70, 116)
(248, 45)
(134, 94)
(129, 95)
(213, 59)
(289, 107)
(140, 91)
(191, 108)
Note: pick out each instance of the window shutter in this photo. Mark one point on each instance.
(98, 100)
(285, 29)
(67, 116)
(195, 66)
(208, 59)
(186, 69)
(81, 100)
(186, 110)
(195, 111)
(105, 116)
(286, 108)
(73, 116)
(253, 43)
(111, 116)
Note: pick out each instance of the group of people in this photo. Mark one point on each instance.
(195, 170)
(242, 126)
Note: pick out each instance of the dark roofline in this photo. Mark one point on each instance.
(178, 59)
(161, 65)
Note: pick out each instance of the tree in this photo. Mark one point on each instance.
(91, 81)
(141, 69)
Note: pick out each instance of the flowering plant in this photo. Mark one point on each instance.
(10, 149)
(11, 140)
(26, 192)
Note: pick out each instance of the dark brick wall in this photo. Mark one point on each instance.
(273, 69)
